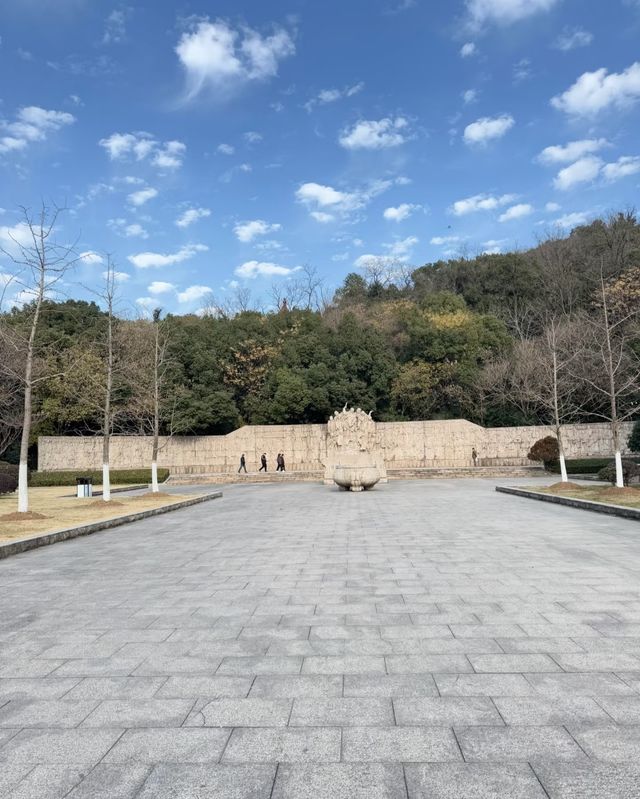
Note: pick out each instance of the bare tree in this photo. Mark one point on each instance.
(609, 363)
(41, 263)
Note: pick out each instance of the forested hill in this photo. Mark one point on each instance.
(406, 344)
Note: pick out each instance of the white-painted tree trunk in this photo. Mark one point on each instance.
(563, 468)
(23, 488)
(106, 483)
(619, 474)
(154, 477)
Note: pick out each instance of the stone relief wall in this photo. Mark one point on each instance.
(403, 445)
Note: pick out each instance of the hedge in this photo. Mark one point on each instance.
(584, 465)
(118, 477)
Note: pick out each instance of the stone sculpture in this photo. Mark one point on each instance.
(354, 459)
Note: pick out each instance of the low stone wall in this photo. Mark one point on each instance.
(405, 445)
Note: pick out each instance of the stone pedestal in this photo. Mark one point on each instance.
(354, 459)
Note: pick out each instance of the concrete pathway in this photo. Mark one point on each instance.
(426, 640)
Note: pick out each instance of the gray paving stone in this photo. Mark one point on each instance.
(52, 713)
(517, 743)
(209, 782)
(343, 665)
(334, 712)
(241, 713)
(473, 781)
(399, 744)
(421, 664)
(167, 666)
(622, 709)
(511, 664)
(389, 685)
(589, 780)
(594, 684)
(11, 774)
(98, 667)
(542, 645)
(30, 668)
(612, 744)
(240, 666)
(181, 745)
(112, 782)
(187, 686)
(47, 782)
(99, 688)
(483, 685)
(597, 661)
(34, 688)
(296, 686)
(139, 713)
(446, 710)
(555, 711)
(340, 781)
(291, 745)
(60, 747)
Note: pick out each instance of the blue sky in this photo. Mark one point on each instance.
(208, 146)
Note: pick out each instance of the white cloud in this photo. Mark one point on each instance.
(17, 235)
(440, 241)
(468, 49)
(146, 302)
(122, 228)
(32, 124)
(326, 197)
(370, 134)
(119, 277)
(571, 38)
(247, 231)
(90, 257)
(140, 146)
(401, 212)
(252, 269)
(160, 287)
(226, 149)
(192, 215)
(487, 128)
(323, 195)
(143, 196)
(480, 202)
(522, 70)
(564, 154)
(327, 96)
(470, 96)
(216, 56)
(493, 246)
(322, 217)
(583, 171)
(193, 293)
(551, 207)
(147, 260)
(402, 248)
(572, 220)
(622, 168)
(596, 91)
(516, 212)
(504, 12)
(115, 26)
(252, 137)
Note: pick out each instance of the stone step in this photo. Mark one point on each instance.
(252, 477)
(464, 472)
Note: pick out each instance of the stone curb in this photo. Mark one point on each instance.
(584, 504)
(36, 541)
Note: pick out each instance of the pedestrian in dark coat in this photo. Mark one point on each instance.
(243, 464)
(263, 462)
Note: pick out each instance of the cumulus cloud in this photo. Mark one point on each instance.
(322, 217)
(493, 246)
(226, 149)
(192, 215)
(402, 249)
(115, 28)
(440, 241)
(370, 134)
(327, 96)
(141, 146)
(218, 57)
(322, 195)
(32, 124)
(551, 207)
(138, 198)
(126, 229)
(485, 129)
(252, 137)
(193, 293)
(148, 260)
(597, 91)
(565, 153)
(400, 212)
(582, 171)
(516, 212)
(571, 38)
(327, 199)
(18, 235)
(470, 96)
(480, 202)
(119, 277)
(504, 12)
(468, 49)
(572, 220)
(253, 269)
(90, 257)
(622, 168)
(248, 231)
(160, 287)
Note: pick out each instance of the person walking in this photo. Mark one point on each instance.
(474, 456)
(263, 462)
(282, 469)
(243, 464)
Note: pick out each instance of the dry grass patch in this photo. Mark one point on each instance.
(608, 495)
(54, 509)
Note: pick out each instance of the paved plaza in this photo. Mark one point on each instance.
(426, 640)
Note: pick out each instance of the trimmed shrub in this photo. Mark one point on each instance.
(634, 439)
(8, 483)
(545, 449)
(118, 477)
(630, 469)
(585, 465)
(9, 468)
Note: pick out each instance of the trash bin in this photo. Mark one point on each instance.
(84, 487)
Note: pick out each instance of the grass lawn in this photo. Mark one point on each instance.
(609, 495)
(57, 508)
